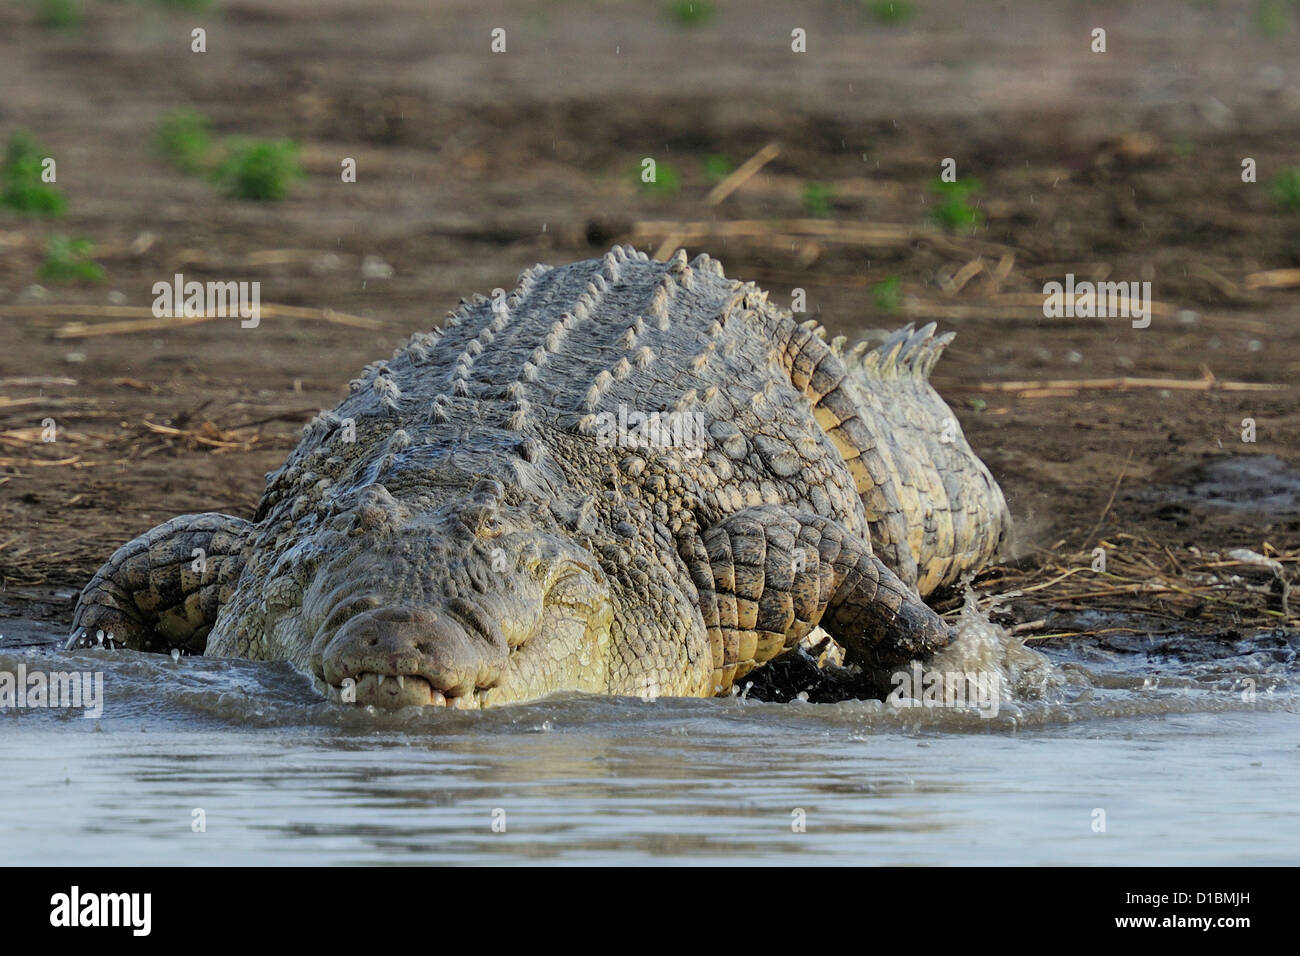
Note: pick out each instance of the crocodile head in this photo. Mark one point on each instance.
(466, 604)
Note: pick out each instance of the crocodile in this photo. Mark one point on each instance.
(627, 476)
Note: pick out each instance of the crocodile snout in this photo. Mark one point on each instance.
(399, 656)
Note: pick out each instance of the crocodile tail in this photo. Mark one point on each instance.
(840, 410)
(957, 516)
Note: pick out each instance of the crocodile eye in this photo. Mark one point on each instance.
(488, 525)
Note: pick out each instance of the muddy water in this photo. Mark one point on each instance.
(226, 762)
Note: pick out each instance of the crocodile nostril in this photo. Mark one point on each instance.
(413, 641)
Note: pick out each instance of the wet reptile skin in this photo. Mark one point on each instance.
(465, 529)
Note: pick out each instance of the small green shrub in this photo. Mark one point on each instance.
(954, 211)
(890, 11)
(69, 260)
(1287, 189)
(716, 168)
(259, 169)
(666, 179)
(1272, 18)
(184, 140)
(58, 14)
(887, 294)
(21, 186)
(691, 13)
(817, 199)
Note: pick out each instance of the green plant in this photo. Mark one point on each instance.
(716, 168)
(1271, 18)
(954, 212)
(183, 139)
(666, 179)
(1287, 188)
(817, 199)
(691, 13)
(21, 186)
(69, 260)
(259, 169)
(887, 294)
(58, 14)
(890, 11)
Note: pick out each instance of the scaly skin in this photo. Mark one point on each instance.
(469, 528)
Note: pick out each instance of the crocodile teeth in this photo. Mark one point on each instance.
(401, 681)
(379, 680)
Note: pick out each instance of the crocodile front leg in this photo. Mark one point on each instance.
(768, 575)
(163, 589)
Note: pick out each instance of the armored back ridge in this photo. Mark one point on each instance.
(625, 477)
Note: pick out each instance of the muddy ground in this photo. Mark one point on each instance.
(473, 165)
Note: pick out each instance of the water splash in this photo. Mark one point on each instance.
(984, 647)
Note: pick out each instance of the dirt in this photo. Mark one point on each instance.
(473, 166)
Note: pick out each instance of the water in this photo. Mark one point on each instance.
(1186, 767)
